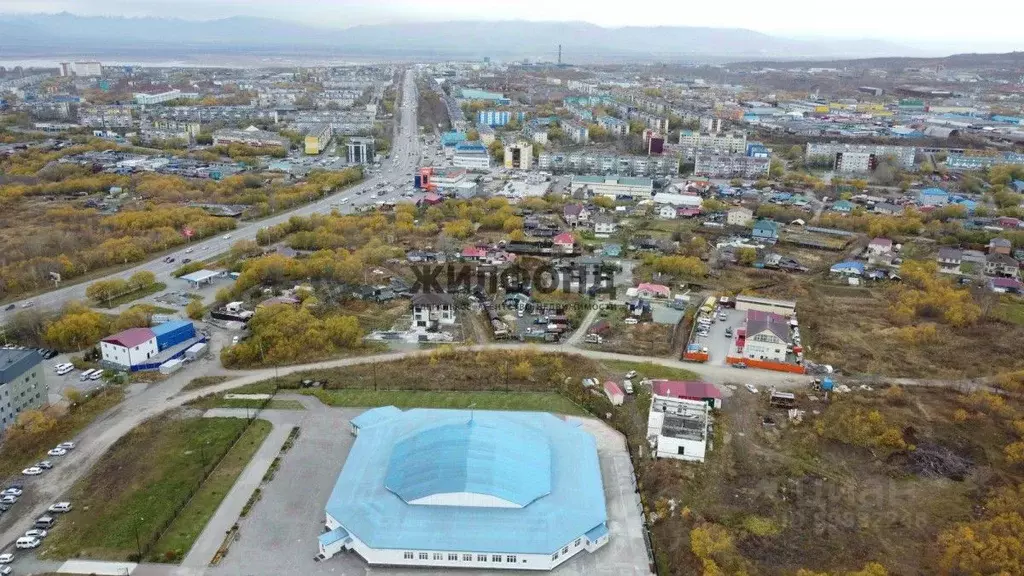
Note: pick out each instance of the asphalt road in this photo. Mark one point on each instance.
(397, 171)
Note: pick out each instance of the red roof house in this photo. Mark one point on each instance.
(473, 253)
(565, 241)
(614, 393)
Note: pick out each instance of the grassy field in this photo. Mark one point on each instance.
(829, 494)
(1010, 309)
(652, 371)
(182, 533)
(850, 328)
(19, 451)
(139, 485)
(530, 401)
(132, 296)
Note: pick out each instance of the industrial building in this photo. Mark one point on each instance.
(251, 136)
(467, 489)
(22, 384)
(361, 150)
(133, 348)
(730, 166)
(471, 155)
(519, 155)
(317, 139)
(615, 186)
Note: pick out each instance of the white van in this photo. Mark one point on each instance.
(65, 369)
(96, 375)
(86, 374)
(27, 542)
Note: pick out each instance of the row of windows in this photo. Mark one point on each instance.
(454, 557)
(565, 550)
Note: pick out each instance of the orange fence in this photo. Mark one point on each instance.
(767, 364)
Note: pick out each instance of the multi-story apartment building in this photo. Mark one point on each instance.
(251, 136)
(22, 384)
(318, 138)
(100, 116)
(519, 156)
(575, 131)
(582, 163)
(860, 157)
(719, 143)
(730, 166)
(613, 125)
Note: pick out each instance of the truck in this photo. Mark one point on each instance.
(593, 339)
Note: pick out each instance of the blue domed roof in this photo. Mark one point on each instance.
(510, 463)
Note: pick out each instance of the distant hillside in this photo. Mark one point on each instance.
(1005, 60)
(582, 42)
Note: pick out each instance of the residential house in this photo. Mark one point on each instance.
(850, 268)
(1000, 246)
(767, 230)
(688, 390)
(687, 212)
(879, 246)
(432, 310)
(650, 290)
(1001, 265)
(842, 207)
(888, 208)
(129, 348)
(604, 225)
(1005, 286)
(949, 260)
(667, 211)
(576, 215)
(564, 243)
(972, 261)
(739, 216)
(1005, 222)
(766, 336)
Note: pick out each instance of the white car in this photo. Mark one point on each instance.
(631, 321)
(751, 388)
(26, 542)
(57, 452)
(12, 492)
(226, 236)
(66, 445)
(631, 374)
(6, 558)
(32, 471)
(188, 251)
(36, 533)
(60, 507)
(5, 570)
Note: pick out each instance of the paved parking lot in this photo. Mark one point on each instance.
(719, 346)
(280, 535)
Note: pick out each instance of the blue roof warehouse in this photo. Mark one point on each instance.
(454, 488)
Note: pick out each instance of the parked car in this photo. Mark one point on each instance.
(8, 499)
(627, 385)
(728, 332)
(45, 522)
(66, 445)
(60, 507)
(186, 260)
(35, 533)
(32, 471)
(12, 492)
(28, 304)
(57, 452)
(739, 365)
(631, 374)
(5, 570)
(27, 542)
(44, 465)
(751, 388)
(631, 321)
(6, 558)
(9, 307)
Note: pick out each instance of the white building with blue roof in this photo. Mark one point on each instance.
(461, 489)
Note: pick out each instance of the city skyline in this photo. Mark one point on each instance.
(931, 31)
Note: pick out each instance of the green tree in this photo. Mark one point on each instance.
(195, 309)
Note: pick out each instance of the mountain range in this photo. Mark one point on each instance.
(65, 33)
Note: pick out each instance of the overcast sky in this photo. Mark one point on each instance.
(986, 24)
